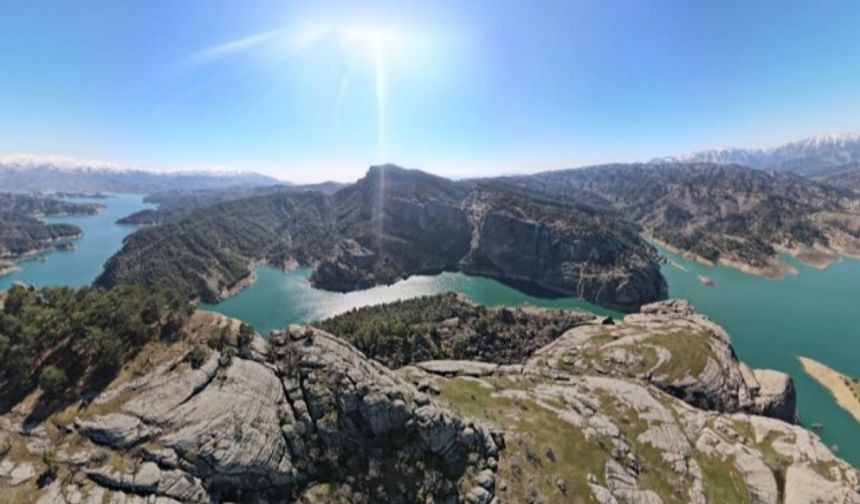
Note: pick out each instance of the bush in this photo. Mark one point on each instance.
(49, 457)
(246, 335)
(198, 356)
(53, 380)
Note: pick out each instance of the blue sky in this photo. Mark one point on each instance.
(320, 90)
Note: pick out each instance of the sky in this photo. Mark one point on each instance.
(316, 90)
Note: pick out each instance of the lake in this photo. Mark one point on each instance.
(102, 238)
(814, 313)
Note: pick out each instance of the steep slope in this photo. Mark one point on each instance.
(844, 176)
(724, 213)
(307, 418)
(803, 157)
(395, 223)
(389, 225)
(211, 252)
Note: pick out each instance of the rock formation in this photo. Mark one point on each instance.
(307, 418)
(389, 225)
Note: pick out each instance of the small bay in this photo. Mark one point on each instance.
(80, 266)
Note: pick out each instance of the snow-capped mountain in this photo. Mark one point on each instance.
(805, 157)
(21, 172)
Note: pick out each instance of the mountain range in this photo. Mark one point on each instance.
(36, 174)
(804, 157)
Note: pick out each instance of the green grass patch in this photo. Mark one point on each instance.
(540, 446)
(690, 353)
(723, 481)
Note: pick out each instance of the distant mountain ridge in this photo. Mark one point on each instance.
(725, 213)
(803, 157)
(45, 174)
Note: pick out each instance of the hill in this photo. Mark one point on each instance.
(22, 232)
(391, 224)
(731, 214)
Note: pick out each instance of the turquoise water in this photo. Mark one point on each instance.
(78, 267)
(814, 314)
(278, 299)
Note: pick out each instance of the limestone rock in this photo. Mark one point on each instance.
(117, 430)
(678, 350)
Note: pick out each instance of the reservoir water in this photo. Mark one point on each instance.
(814, 313)
(78, 267)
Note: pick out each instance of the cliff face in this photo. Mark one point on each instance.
(560, 247)
(723, 213)
(392, 224)
(309, 418)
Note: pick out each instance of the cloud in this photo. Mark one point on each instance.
(290, 42)
(219, 51)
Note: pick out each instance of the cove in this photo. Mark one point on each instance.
(80, 266)
(815, 313)
(277, 298)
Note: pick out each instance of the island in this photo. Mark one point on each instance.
(846, 389)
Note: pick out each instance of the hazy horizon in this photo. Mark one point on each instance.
(313, 92)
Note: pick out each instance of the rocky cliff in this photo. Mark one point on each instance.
(308, 418)
(732, 214)
(389, 225)
(561, 246)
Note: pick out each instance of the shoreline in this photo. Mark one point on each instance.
(836, 383)
(814, 257)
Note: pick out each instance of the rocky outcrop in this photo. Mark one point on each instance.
(678, 350)
(619, 440)
(308, 418)
(308, 409)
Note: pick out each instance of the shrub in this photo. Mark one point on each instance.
(246, 335)
(53, 380)
(198, 355)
